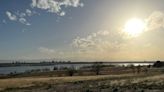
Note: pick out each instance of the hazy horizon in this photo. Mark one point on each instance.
(50, 60)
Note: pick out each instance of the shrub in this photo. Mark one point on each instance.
(158, 64)
(97, 67)
(55, 68)
(71, 71)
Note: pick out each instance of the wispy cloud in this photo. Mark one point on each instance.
(155, 20)
(99, 41)
(51, 53)
(46, 50)
(89, 41)
(109, 45)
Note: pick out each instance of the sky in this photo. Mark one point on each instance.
(81, 30)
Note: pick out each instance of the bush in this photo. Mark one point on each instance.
(158, 64)
(55, 68)
(63, 68)
(71, 71)
(97, 67)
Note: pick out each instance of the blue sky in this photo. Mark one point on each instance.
(80, 29)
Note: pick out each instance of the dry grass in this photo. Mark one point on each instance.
(32, 81)
(40, 82)
(131, 82)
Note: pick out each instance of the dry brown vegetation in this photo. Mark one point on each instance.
(102, 83)
(112, 79)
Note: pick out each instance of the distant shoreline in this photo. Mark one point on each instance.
(56, 63)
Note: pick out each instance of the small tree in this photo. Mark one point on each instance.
(71, 71)
(97, 67)
(55, 68)
(132, 67)
(146, 70)
(138, 69)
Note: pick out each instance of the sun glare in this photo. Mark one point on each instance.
(134, 27)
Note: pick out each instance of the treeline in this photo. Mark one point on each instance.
(42, 63)
(45, 63)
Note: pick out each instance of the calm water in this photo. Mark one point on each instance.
(21, 69)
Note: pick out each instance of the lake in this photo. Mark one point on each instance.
(21, 69)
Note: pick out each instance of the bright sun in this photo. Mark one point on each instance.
(134, 27)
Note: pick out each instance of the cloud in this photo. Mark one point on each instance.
(51, 53)
(62, 13)
(90, 40)
(11, 16)
(46, 50)
(110, 45)
(29, 12)
(83, 43)
(24, 21)
(55, 6)
(20, 16)
(98, 41)
(155, 20)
